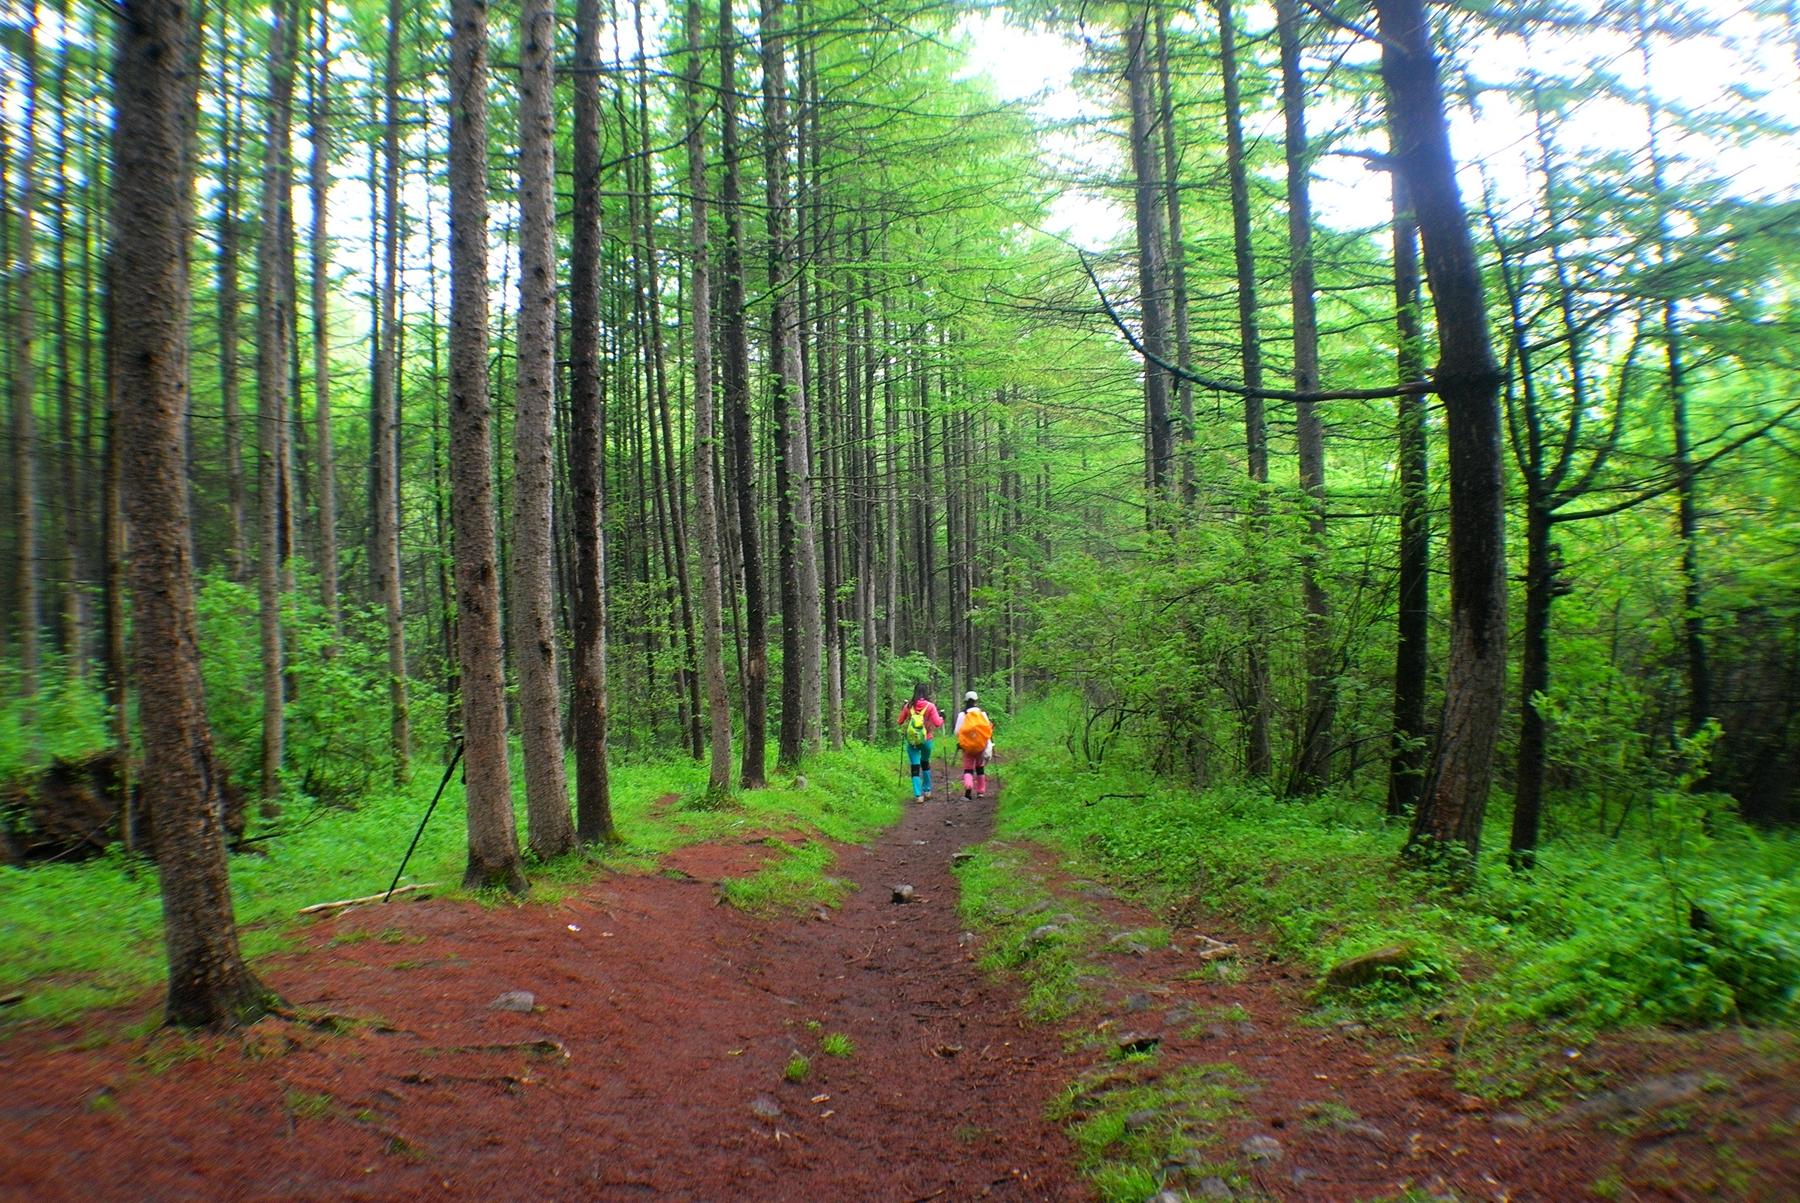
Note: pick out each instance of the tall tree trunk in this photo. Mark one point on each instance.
(1177, 258)
(593, 802)
(706, 516)
(230, 301)
(493, 836)
(1406, 756)
(69, 519)
(384, 490)
(1258, 759)
(800, 550)
(800, 601)
(272, 380)
(209, 984)
(549, 830)
(1454, 799)
(319, 184)
(1152, 268)
(24, 372)
(736, 379)
(1313, 761)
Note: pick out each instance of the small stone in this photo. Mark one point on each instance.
(964, 939)
(903, 893)
(1302, 1176)
(1042, 933)
(1368, 1132)
(1165, 1196)
(764, 1107)
(1213, 1188)
(822, 915)
(800, 781)
(1137, 1042)
(514, 1000)
(1137, 1121)
(1138, 1002)
(961, 858)
(1262, 1148)
(1512, 1121)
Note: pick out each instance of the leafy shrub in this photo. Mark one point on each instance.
(1690, 916)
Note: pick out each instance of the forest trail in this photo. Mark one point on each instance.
(651, 1064)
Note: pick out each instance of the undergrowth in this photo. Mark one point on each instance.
(74, 937)
(1690, 918)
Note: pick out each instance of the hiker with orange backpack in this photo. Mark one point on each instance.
(919, 721)
(975, 740)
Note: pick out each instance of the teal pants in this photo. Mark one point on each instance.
(918, 757)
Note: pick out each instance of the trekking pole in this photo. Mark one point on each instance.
(423, 821)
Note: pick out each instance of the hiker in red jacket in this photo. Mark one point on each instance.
(919, 721)
(975, 739)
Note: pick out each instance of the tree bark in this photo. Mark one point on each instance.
(593, 802)
(1177, 258)
(1454, 799)
(1258, 759)
(493, 836)
(800, 618)
(384, 491)
(706, 519)
(1152, 269)
(209, 984)
(753, 773)
(230, 300)
(1406, 756)
(273, 323)
(24, 374)
(1313, 759)
(550, 832)
(319, 184)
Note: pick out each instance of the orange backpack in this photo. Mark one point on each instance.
(977, 730)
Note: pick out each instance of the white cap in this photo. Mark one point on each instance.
(970, 696)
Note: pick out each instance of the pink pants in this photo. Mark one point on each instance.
(974, 772)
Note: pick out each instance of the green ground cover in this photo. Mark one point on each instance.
(80, 936)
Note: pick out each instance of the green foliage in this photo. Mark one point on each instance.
(837, 1044)
(1688, 917)
(65, 720)
(337, 719)
(798, 1067)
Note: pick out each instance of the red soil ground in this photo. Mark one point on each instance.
(652, 1067)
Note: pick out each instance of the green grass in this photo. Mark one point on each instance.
(1128, 1123)
(837, 1044)
(1014, 912)
(798, 1067)
(75, 937)
(794, 879)
(1600, 934)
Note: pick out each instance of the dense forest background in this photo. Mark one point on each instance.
(632, 378)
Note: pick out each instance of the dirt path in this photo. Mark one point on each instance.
(651, 1064)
